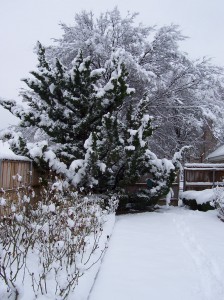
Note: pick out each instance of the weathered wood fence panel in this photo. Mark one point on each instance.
(203, 176)
(14, 174)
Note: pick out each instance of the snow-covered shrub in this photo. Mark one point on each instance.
(137, 201)
(205, 200)
(218, 201)
(51, 243)
(198, 200)
(15, 240)
(163, 173)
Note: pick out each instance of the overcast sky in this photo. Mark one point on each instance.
(23, 22)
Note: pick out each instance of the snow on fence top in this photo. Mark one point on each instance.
(7, 154)
(195, 166)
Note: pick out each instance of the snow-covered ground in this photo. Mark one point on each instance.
(170, 254)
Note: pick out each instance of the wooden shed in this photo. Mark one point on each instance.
(216, 156)
(201, 176)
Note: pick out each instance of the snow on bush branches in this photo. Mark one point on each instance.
(49, 244)
(218, 201)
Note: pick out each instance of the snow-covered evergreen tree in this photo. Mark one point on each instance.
(93, 139)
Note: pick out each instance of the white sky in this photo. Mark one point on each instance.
(23, 22)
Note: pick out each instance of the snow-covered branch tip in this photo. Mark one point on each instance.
(179, 156)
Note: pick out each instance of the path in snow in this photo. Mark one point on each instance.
(172, 254)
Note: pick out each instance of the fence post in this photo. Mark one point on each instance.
(213, 178)
(31, 173)
(1, 179)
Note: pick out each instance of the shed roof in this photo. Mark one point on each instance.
(217, 155)
(7, 154)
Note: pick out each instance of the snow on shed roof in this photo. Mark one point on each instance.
(218, 153)
(7, 153)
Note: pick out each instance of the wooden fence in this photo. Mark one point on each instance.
(14, 175)
(203, 176)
